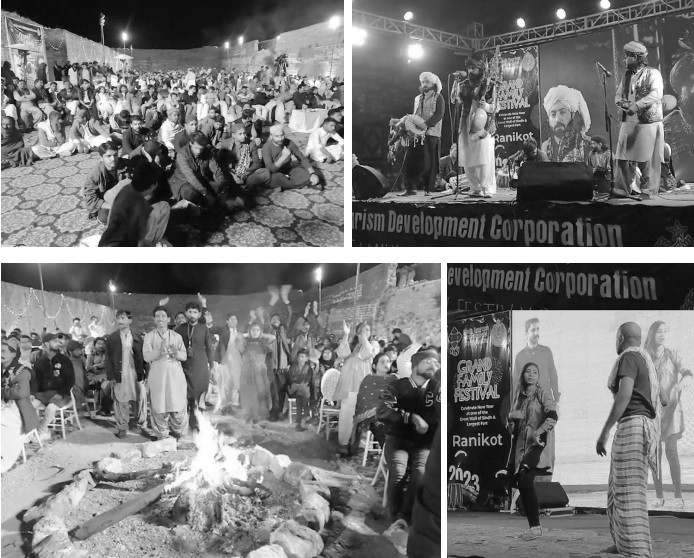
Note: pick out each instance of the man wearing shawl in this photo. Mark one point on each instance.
(634, 384)
(238, 157)
(569, 121)
(14, 152)
(422, 157)
(641, 137)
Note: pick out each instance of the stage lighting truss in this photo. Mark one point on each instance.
(530, 36)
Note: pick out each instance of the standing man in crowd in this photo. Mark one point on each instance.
(125, 369)
(634, 384)
(641, 142)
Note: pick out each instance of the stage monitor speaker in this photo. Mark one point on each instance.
(368, 183)
(551, 495)
(554, 181)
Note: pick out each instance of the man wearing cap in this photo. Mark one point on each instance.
(170, 127)
(277, 156)
(55, 378)
(126, 371)
(423, 154)
(641, 142)
(569, 121)
(410, 408)
(238, 157)
(182, 138)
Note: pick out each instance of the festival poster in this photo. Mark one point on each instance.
(479, 398)
(518, 117)
(25, 42)
(478, 288)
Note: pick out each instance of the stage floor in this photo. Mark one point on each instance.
(669, 199)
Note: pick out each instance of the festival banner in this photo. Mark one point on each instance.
(518, 117)
(25, 42)
(478, 288)
(543, 223)
(479, 388)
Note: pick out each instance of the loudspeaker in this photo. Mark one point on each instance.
(368, 183)
(551, 495)
(554, 181)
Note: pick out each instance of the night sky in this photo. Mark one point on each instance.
(497, 16)
(230, 279)
(177, 24)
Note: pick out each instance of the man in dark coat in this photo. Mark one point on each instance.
(125, 370)
(199, 344)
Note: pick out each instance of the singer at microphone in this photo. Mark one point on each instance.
(604, 70)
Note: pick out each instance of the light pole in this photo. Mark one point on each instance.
(319, 278)
(102, 22)
(241, 40)
(333, 23)
(112, 289)
(124, 36)
(226, 46)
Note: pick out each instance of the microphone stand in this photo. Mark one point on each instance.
(608, 128)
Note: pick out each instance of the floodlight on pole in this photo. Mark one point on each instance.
(408, 16)
(561, 13)
(605, 4)
(124, 36)
(241, 40)
(226, 45)
(520, 22)
(415, 51)
(334, 22)
(319, 278)
(112, 289)
(358, 36)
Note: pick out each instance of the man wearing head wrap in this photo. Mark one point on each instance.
(476, 146)
(238, 157)
(641, 142)
(569, 121)
(422, 157)
(679, 124)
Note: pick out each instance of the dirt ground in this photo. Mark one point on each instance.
(153, 533)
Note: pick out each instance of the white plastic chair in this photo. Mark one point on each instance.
(291, 402)
(371, 446)
(329, 413)
(382, 469)
(66, 414)
(26, 438)
(94, 401)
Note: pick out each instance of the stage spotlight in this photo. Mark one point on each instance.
(358, 36)
(605, 4)
(561, 13)
(415, 51)
(408, 16)
(520, 22)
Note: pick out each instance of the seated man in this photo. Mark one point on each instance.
(29, 112)
(135, 135)
(183, 137)
(410, 408)
(87, 133)
(52, 140)
(198, 178)
(170, 128)
(118, 124)
(14, 152)
(109, 172)
(132, 221)
(277, 156)
(238, 156)
(300, 97)
(213, 126)
(337, 114)
(70, 97)
(448, 168)
(254, 128)
(318, 148)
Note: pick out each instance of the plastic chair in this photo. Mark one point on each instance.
(383, 470)
(26, 438)
(371, 446)
(94, 400)
(66, 414)
(291, 402)
(329, 413)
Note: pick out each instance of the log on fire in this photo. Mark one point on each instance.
(134, 475)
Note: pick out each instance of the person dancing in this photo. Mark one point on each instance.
(532, 422)
(668, 365)
(634, 383)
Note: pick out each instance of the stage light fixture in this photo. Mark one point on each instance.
(408, 16)
(605, 4)
(334, 22)
(358, 36)
(561, 13)
(415, 51)
(520, 22)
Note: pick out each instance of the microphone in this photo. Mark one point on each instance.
(605, 70)
(460, 74)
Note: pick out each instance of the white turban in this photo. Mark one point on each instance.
(572, 99)
(433, 78)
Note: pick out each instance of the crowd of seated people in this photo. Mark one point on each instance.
(198, 141)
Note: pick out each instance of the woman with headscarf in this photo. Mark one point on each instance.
(358, 354)
(531, 421)
(52, 141)
(672, 377)
(17, 415)
(254, 387)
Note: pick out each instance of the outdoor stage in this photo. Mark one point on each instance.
(664, 220)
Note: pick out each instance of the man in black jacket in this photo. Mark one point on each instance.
(125, 369)
(410, 408)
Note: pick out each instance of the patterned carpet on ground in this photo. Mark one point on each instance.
(42, 206)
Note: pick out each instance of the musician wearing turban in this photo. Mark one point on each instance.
(641, 142)
(422, 157)
(569, 122)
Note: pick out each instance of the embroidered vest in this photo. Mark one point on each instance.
(641, 84)
(425, 106)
